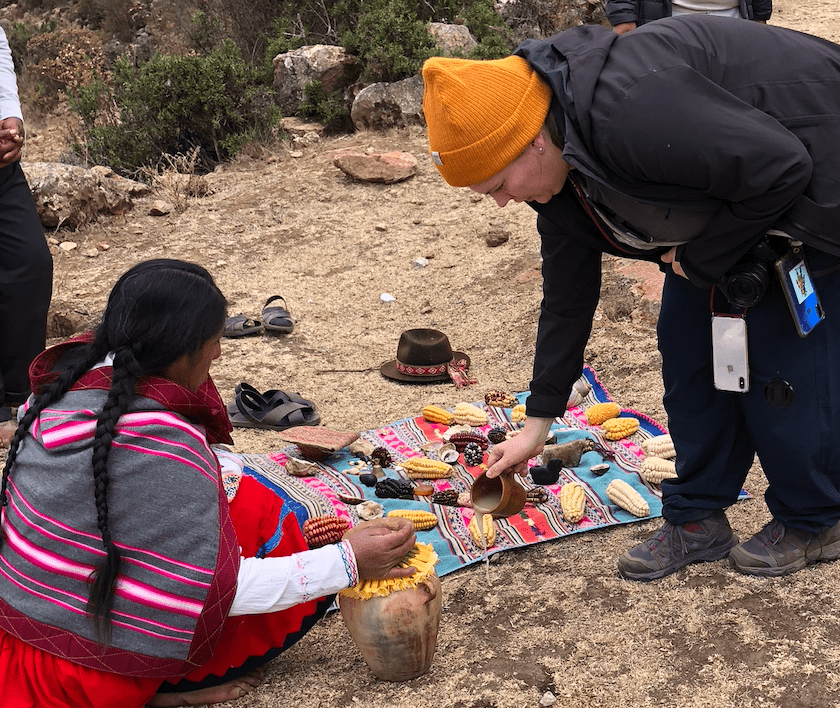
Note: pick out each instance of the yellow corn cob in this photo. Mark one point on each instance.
(467, 413)
(597, 414)
(517, 415)
(424, 468)
(433, 414)
(617, 428)
(628, 498)
(422, 520)
(485, 536)
(659, 446)
(655, 469)
(572, 501)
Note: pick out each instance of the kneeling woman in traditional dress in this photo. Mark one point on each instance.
(126, 577)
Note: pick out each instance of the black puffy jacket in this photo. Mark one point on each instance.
(692, 114)
(642, 11)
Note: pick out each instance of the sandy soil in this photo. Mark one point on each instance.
(554, 618)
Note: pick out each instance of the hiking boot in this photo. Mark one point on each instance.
(778, 549)
(673, 547)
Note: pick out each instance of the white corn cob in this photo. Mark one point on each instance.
(469, 414)
(628, 498)
(655, 469)
(659, 446)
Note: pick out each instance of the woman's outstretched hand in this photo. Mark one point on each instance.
(514, 454)
(380, 545)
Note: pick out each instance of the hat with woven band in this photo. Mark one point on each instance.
(426, 356)
(481, 115)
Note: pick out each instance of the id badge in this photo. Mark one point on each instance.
(729, 353)
(802, 299)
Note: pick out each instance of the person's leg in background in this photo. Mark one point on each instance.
(25, 291)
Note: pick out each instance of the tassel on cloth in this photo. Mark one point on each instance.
(457, 369)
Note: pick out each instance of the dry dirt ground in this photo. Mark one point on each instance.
(556, 617)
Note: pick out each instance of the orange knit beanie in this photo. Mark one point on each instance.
(481, 115)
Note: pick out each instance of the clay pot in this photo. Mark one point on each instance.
(499, 496)
(396, 634)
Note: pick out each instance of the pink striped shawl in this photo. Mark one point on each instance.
(167, 514)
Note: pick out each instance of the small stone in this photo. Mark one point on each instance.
(548, 699)
(296, 154)
(160, 208)
(387, 297)
(103, 247)
(420, 262)
(68, 245)
(496, 237)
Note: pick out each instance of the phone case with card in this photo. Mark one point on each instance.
(801, 297)
(730, 365)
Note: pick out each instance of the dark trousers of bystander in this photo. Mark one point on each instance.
(718, 433)
(26, 269)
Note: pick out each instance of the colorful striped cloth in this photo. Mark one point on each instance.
(318, 495)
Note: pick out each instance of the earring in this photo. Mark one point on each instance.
(540, 150)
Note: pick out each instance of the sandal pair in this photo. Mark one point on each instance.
(275, 318)
(271, 410)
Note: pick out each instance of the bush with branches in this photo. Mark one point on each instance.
(171, 105)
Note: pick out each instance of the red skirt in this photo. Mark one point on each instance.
(32, 678)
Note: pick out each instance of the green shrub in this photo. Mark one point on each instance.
(170, 105)
(328, 109)
(390, 38)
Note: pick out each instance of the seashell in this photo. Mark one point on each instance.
(349, 500)
(582, 386)
(465, 499)
(456, 429)
(301, 468)
(599, 469)
(432, 446)
(448, 453)
(575, 399)
(369, 510)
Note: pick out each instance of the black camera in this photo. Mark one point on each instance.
(747, 282)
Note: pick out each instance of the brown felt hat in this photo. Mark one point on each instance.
(423, 356)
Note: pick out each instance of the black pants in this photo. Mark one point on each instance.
(717, 433)
(25, 285)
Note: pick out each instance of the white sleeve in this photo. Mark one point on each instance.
(272, 584)
(9, 101)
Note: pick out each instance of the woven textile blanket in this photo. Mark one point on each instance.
(318, 495)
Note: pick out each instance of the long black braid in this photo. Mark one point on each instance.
(127, 373)
(157, 312)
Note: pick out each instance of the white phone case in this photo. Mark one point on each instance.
(729, 354)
